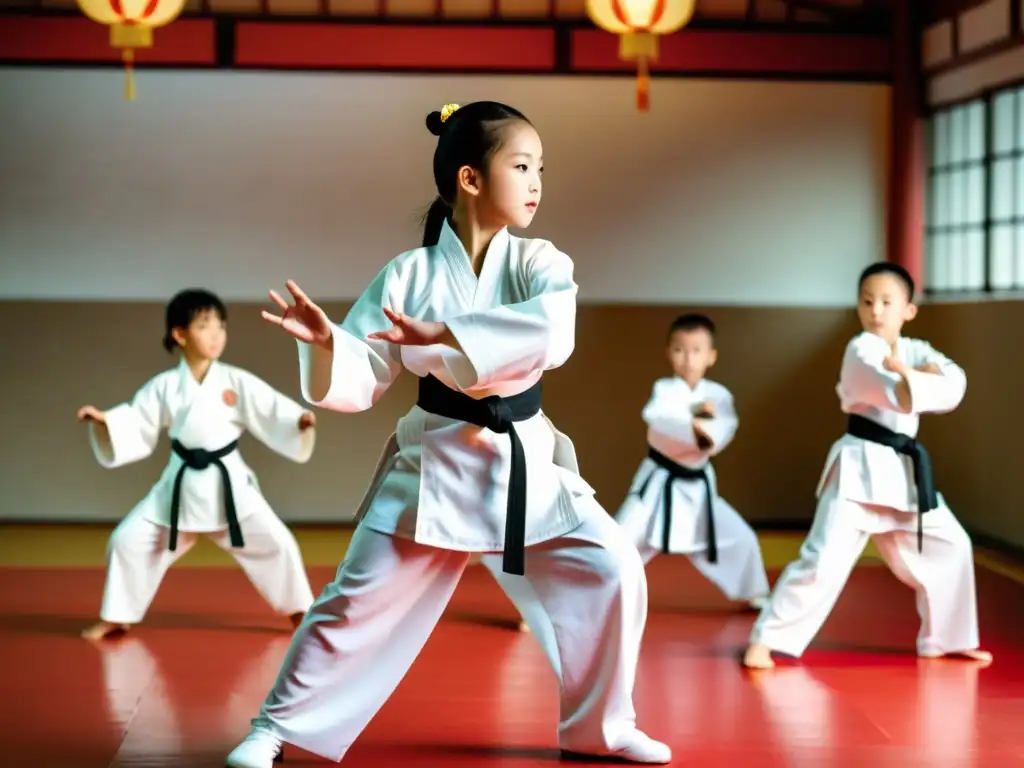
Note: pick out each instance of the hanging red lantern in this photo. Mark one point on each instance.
(638, 24)
(131, 25)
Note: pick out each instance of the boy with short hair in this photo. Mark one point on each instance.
(877, 485)
(673, 506)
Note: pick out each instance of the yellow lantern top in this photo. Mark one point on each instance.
(131, 25)
(656, 17)
(147, 13)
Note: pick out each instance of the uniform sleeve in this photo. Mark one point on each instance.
(273, 418)
(931, 393)
(722, 428)
(359, 370)
(516, 341)
(862, 379)
(132, 429)
(663, 415)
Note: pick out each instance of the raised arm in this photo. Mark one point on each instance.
(665, 415)
(355, 371)
(931, 392)
(129, 432)
(864, 379)
(515, 341)
(273, 418)
(721, 428)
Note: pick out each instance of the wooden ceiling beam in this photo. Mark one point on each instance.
(867, 11)
(836, 12)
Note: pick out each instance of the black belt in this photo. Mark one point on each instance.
(199, 458)
(497, 414)
(924, 479)
(677, 471)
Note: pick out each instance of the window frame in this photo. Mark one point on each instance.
(955, 168)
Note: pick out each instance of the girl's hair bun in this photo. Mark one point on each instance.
(434, 124)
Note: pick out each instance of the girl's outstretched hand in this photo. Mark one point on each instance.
(412, 332)
(91, 413)
(305, 320)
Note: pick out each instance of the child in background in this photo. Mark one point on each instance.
(877, 485)
(673, 506)
(206, 487)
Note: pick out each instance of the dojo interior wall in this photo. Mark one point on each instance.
(758, 202)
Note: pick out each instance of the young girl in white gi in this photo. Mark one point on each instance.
(673, 505)
(206, 487)
(475, 466)
(877, 484)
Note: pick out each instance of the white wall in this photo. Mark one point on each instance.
(726, 192)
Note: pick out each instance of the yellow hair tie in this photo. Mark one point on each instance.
(447, 111)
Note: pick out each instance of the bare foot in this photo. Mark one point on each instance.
(758, 657)
(296, 619)
(103, 629)
(524, 627)
(974, 654)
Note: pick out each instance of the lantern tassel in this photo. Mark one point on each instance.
(643, 86)
(129, 74)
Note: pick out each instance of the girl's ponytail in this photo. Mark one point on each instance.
(433, 222)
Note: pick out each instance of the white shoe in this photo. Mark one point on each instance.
(261, 749)
(633, 747)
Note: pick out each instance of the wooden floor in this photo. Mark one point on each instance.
(180, 690)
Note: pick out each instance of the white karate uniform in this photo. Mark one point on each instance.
(523, 596)
(207, 415)
(867, 491)
(519, 590)
(440, 493)
(739, 571)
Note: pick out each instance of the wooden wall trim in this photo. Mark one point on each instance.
(764, 53)
(937, 10)
(960, 58)
(75, 39)
(445, 48)
(907, 156)
(528, 48)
